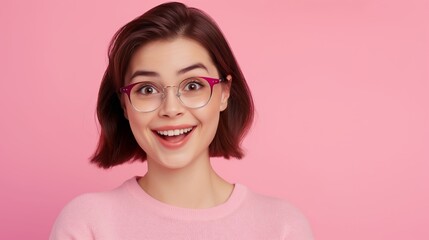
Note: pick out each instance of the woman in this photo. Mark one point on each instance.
(173, 95)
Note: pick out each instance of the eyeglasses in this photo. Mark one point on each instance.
(147, 96)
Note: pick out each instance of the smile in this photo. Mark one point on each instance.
(175, 137)
(174, 132)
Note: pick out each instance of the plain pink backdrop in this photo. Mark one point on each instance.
(341, 90)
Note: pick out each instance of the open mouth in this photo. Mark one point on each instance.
(174, 135)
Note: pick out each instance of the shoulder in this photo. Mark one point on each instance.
(282, 212)
(86, 204)
(80, 216)
(273, 204)
(90, 203)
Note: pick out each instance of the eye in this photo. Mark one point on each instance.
(146, 90)
(193, 85)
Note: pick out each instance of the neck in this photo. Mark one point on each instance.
(193, 186)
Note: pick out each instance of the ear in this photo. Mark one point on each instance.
(225, 93)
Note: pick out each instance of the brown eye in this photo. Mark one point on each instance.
(193, 86)
(147, 90)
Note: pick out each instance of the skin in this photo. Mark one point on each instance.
(182, 176)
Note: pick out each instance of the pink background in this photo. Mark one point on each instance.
(341, 89)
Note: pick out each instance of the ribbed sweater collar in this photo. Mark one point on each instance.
(233, 203)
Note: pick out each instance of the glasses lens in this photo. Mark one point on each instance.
(146, 96)
(195, 92)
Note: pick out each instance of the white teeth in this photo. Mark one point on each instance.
(174, 132)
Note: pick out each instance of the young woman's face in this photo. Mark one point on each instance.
(167, 63)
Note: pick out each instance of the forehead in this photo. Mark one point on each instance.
(166, 57)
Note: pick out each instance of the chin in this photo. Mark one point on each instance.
(180, 160)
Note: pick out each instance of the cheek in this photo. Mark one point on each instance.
(209, 117)
(134, 118)
(209, 123)
(138, 123)
(139, 127)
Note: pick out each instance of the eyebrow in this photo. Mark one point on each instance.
(192, 67)
(181, 71)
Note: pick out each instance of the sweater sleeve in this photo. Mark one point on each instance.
(73, 221)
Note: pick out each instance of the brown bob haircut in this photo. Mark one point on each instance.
(168, 21)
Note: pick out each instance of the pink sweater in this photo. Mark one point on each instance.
(128, 212)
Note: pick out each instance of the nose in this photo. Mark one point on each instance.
(171, 105)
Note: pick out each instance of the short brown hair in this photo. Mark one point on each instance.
(117, 144)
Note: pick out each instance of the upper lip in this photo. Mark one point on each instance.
(166, 128)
